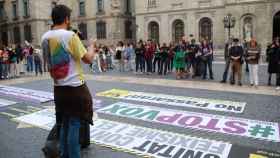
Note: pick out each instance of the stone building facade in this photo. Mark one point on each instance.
(163, 20)
(107, 20)
(168, 20)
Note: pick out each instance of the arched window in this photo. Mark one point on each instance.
(153, 28)
(205, 29)
(82, 8)
(248, 32)
(100, 6)
(276, 25)
(83, 29)
(17, 35)
(178, 30)
(128, 29)
(28, 33)
(101, 30)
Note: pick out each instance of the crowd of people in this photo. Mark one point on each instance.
(190, 59)
(16, 61)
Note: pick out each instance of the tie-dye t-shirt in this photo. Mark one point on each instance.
(64, 51)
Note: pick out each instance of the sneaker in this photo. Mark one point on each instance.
(223, 81)
(252, 84)
(240, 84)
(277, 88)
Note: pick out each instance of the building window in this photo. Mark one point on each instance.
(26, 12)
(128, 29)
(28, 33)
(128, 6)
(101, 30)
(17, 35)
(82, 8)
(276, 25)
(178, 30)
(100, 6)
(205, 29)
(152, 3)
(15, 10)
(248, 28)
(2, 11)
(83, 29)
(153, 29)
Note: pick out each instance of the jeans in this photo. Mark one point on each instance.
(38, 68)
(253, 73)
(225, 75)
(69, 138)
(5, 70)
(170, 64)
(208, 63)
(163, 66)
(139, 63)
(29, 63)
(156, 62)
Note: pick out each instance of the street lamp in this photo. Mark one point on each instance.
(229, 22)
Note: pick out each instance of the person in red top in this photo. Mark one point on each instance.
(149, 55)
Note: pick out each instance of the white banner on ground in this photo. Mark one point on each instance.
(255, 129)
(26, 94)
(4, 102)
(191, 102)
(140, 140)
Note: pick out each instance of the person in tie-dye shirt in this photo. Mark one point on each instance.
(73, 101)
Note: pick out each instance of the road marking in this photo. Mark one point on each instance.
(8, 114)
(19, 110)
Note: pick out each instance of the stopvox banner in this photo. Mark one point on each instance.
(201, 103)
(140, 140)
(26, 94)
(268, 131)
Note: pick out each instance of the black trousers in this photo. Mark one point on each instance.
(163, 66)
(149, 63)
(156, 62)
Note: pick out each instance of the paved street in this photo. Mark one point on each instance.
(262, 105)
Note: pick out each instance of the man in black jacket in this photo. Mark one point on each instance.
(227, 60)
(236, 54)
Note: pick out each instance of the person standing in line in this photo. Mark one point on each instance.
(29, 57)
(120, 55)
(38, 62)
(245, 47)
(252, 57)
(149, 55)
(193, 49)
(236, 56)
(129, 51)
(19, 55)
(108, 54)
(179, 60)
(156, 62)
(227, 60)
(139, 51)
(73, 101)
(164, 59)
(5, 64)
(13, 62)
(171, 54)
(207, 58)
(1, 62)
(272, 59)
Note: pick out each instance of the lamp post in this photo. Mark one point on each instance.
(229, 22)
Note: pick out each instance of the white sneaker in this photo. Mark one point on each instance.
(277, 88)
